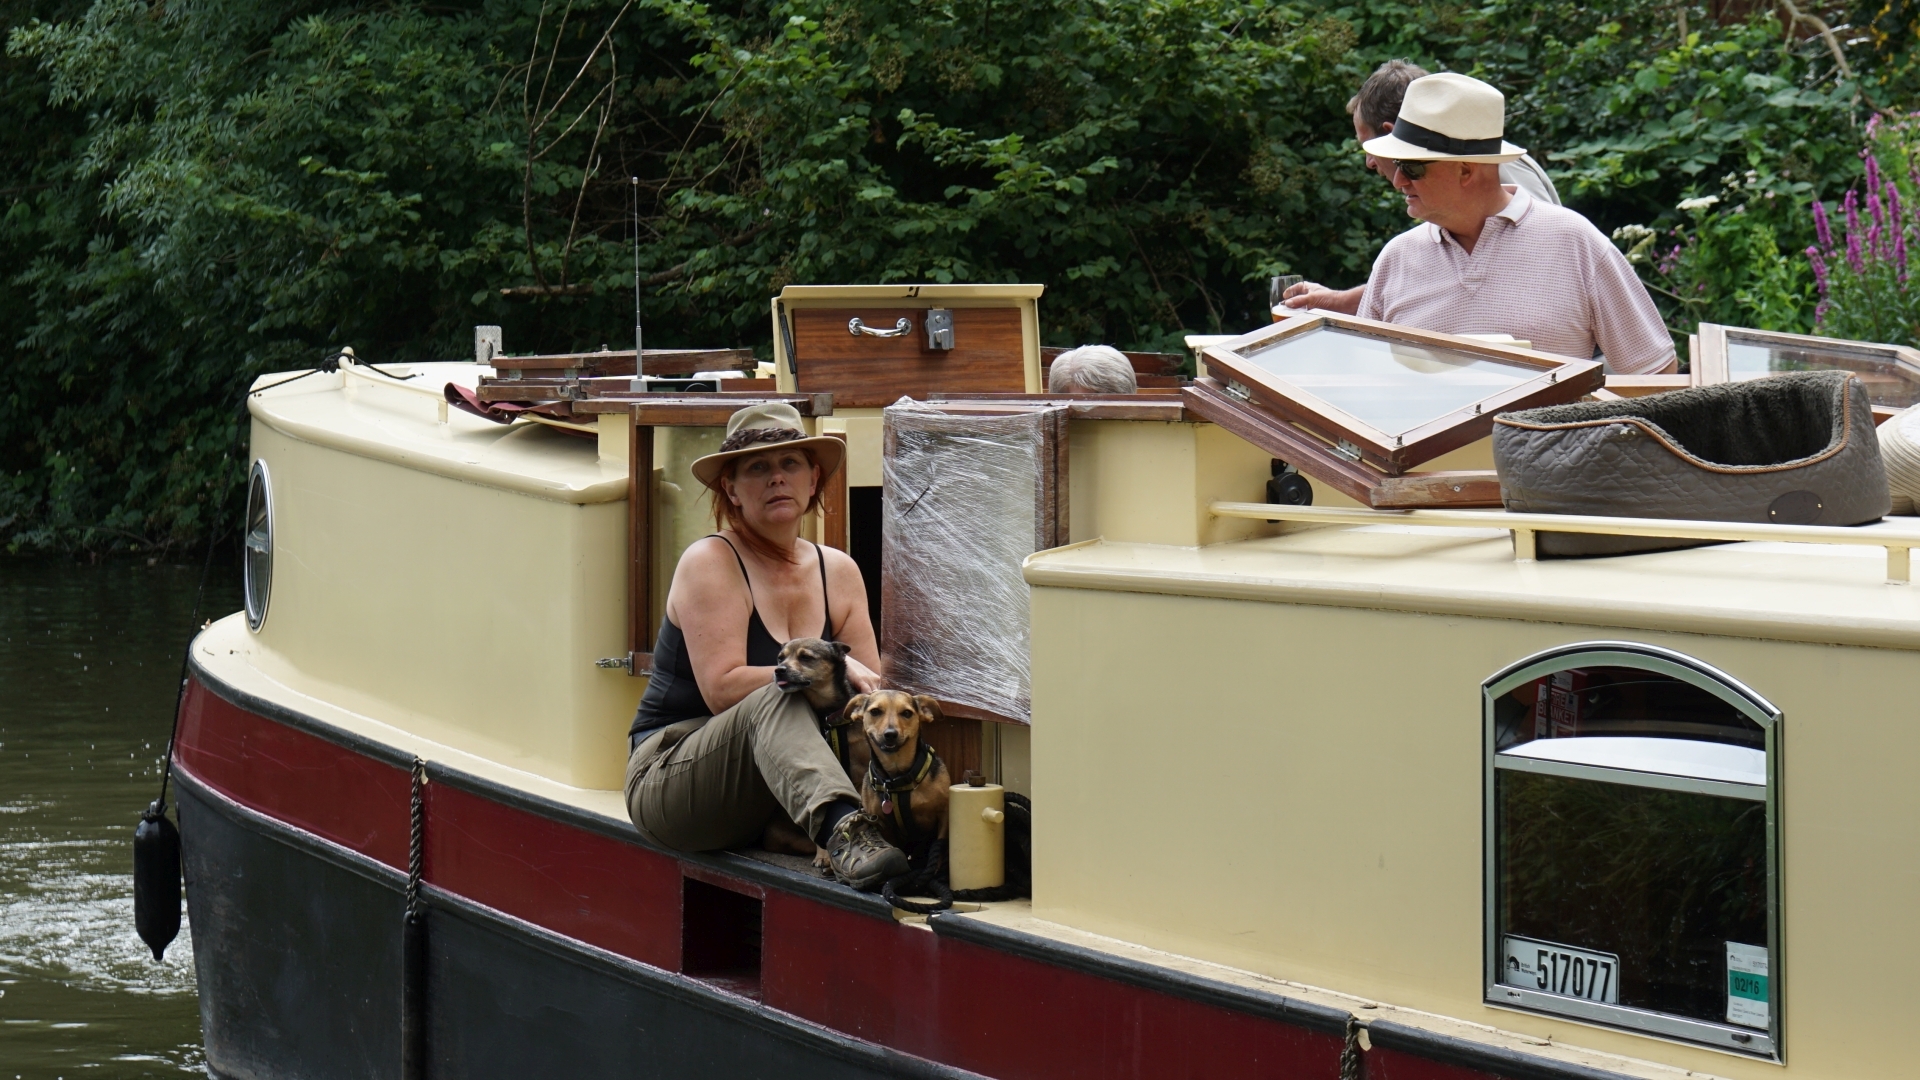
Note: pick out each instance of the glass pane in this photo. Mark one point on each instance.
(1601, 701)
(1392, 386)
(1887, 382)
(1656, 884)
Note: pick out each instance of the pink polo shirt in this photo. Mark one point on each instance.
(1539, 272)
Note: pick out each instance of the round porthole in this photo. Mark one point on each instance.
(258, 568)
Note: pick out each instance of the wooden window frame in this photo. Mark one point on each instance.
(1710, 366)
(1258, 391)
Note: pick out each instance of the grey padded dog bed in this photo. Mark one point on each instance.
(1793, 449)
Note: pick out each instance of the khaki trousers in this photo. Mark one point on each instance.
(715, 782)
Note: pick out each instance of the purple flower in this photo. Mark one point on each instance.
(1820, 227)
(1873, 163)
(1900, 254)
(1852, 207)
(1819, 270)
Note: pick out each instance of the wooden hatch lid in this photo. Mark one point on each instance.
(870, 345)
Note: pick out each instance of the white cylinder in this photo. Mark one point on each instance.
(976, 836)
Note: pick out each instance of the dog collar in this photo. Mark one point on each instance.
(890, 787)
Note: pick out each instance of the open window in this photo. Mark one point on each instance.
(1734, 354)
(1632, 846)
(1359, 404)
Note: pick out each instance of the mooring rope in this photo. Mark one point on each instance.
(413, 937)
(1353, 1059)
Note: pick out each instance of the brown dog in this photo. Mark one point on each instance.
(906, 782)
(817, 669)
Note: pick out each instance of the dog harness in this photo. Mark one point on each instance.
(892, 787)
(834, 727)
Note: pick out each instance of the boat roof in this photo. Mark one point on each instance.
(409, 423)
(1767, 590)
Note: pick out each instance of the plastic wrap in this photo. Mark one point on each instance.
(968, 496)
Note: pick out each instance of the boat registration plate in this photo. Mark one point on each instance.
(1561, 969)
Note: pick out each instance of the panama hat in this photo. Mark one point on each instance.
(1448, 117)
(759, 428)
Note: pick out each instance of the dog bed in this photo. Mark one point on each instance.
(1793, 449)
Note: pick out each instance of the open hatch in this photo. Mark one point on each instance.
(1891, 373)
(1358, 404)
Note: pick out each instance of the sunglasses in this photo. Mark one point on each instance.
(1412, 170)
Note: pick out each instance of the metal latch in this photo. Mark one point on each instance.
(624, 663)
(939, 328)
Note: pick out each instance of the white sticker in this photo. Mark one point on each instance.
(1746, 985)
(1560, 969)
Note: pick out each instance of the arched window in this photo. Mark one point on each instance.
(1632, 845)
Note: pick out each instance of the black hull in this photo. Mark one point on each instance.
(298, 949)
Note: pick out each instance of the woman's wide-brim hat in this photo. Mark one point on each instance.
(1448, 117)
(759, 428)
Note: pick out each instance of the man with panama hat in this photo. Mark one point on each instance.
(1488, 259)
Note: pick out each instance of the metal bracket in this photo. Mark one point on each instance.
(900, 329)
(624, 663)
(939, 328)
(1347, 449)
(1238, 392)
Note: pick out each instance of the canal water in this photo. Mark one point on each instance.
(89, 658)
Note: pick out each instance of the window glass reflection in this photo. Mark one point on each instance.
(1887, 382)
(1391, 386)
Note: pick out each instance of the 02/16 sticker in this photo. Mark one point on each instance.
(1746, 985)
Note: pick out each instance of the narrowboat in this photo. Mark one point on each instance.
(1348, 785)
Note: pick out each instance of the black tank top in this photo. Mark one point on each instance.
(673, 693)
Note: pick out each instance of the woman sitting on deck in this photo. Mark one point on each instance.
(717, 749)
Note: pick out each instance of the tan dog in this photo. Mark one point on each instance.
(906, 782)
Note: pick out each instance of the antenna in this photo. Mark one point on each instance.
(639, 371)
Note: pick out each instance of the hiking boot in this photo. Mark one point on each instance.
(860, 855)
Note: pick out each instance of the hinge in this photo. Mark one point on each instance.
(1347, 450)
(1238, 392)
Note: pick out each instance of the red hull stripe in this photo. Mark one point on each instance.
(306, 781)
(950, 997)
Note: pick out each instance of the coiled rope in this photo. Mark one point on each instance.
(929, 877)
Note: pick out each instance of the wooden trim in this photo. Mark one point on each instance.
(620, 361)
(1459, 490)
(700, 410)
(1143, 363)
(1710, 367)
(1162, 406)
(639, 545)
(1558, 380)
(953, 710)
(833, 503)
(1356, 480)
(1627, 386)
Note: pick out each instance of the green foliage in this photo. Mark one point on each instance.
(221, 189)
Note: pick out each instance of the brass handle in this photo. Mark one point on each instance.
(900, 329)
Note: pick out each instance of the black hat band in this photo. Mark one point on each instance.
(1429, 139)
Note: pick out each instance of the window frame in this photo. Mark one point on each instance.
(1731, 1038)
(1710, 367)
(1558, 380)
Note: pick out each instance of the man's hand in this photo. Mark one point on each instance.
(1312, 294)
(863, 678)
